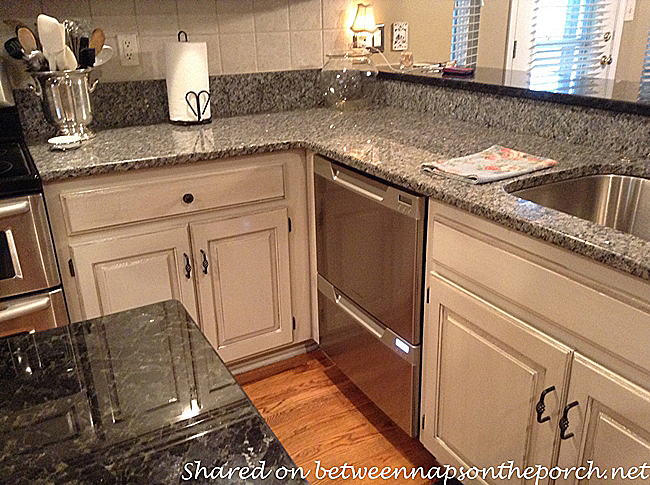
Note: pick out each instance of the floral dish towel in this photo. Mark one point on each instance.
(494, 163)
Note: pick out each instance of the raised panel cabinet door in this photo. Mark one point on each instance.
(609, 428)
(127, 272)
(243, 282)
(483, 374)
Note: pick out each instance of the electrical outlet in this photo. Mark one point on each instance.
(400, 36)
(128, 47)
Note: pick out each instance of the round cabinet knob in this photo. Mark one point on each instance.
(188, 198)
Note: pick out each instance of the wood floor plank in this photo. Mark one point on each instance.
(318, 414)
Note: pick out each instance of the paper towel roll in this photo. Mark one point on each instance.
(187, 70)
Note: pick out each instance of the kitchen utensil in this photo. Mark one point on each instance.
(27, 39)
(67, 59)
(14, 48)
(52, 37)
(104, 55)
(65, 97)
(97, 40)
(36, 61)
(86, 58)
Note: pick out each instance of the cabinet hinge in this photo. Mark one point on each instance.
(423, 421)
(293, 322)
(71, 267)
(514, 50)
(289, 224)
(428, 292)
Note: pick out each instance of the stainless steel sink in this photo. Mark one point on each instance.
(618, 201)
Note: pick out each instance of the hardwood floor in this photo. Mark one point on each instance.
(318, 414)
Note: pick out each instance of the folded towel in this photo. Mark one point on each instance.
(494, 163)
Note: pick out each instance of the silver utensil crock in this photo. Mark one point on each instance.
(65, 96)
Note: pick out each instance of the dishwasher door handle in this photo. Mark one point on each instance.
(330, 172)
(11, 310)
(410, 353)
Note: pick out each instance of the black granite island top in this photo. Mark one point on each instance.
(389, 143)
(137, 397)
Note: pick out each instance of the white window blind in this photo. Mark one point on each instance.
(644, 92)
(567, 44)
(464, 32)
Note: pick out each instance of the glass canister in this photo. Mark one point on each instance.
(347, 79)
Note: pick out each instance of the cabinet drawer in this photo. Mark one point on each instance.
(583, 310)
(164, 196)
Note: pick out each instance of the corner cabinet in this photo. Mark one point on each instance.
(213, 235)
(531, 354)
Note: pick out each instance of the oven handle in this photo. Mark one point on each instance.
(19, 309)
(14, 208)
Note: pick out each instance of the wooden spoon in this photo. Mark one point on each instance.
(27, 39)
(97, 40)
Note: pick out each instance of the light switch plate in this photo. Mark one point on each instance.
(400, 36)
(630, 5)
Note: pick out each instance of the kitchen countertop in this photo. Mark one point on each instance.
(391, 144)
(127, 398)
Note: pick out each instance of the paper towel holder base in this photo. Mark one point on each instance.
(198, 112)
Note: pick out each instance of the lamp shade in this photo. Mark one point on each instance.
(364, 20)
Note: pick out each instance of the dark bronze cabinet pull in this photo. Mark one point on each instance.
(188, 198)
(205, 262)
(188, 267)
(541, 406)
(564, 421)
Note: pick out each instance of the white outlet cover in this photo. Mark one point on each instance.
(400, 36)
(128, 48)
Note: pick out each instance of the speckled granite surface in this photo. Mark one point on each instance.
(129, 398)
(387, 142)
(138, 103)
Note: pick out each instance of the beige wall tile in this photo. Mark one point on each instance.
(305, 15)
(20, 9)
(62, 9)
(197, 16)
(338, 14)
(114, 71)
(271, 15)
(156, 17)
(214, 52)
(307, 49)
(273, 51)
(336, 40)
(235, 16)
(152, 55)
(238, 54)
(114, 16)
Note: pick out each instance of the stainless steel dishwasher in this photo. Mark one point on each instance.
(370, 243)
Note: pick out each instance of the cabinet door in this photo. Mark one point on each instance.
(483, 374)
(244, 289)
(610, 424)
(131, 271)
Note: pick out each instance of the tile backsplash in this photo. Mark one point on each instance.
(243, 36)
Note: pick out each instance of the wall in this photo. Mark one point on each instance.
(243, 36)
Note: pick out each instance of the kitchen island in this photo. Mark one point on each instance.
(138, 396)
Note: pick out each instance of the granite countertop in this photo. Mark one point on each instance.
(132, 397)
(389, 143)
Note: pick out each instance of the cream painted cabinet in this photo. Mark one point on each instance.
(516, 332)
(125, 272)
(214, 235)
(483, 374)
(243, 282)
(608, 423)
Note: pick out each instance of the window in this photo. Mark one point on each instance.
(464, 32)
(644, 92)
(569, 38)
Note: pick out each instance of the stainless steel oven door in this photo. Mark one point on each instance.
(27, 259)
(33, 313)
